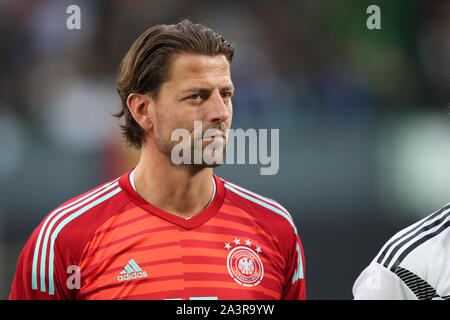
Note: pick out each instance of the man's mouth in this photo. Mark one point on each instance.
(214, 136)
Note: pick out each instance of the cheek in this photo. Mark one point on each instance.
(230, 109)
(166, 124)
(162, 127)
(158, 122)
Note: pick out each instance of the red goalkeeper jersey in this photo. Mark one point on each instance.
(109, 243)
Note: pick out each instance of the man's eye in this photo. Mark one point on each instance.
(227, 94)
(195, 97)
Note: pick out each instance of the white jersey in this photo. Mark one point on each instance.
(413, 265)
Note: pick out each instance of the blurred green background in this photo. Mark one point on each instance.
(363, 114)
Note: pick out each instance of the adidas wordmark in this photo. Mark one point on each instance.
(131, 271)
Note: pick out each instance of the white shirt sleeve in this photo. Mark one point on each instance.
(378, 283)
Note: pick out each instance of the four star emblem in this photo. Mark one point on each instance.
(237, 241)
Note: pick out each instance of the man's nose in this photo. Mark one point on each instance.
(219, 111)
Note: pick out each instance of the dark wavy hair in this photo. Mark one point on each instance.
(145, 67)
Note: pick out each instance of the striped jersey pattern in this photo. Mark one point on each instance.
(418, 286)
(242, 246)
(418, 256)
(395, 250)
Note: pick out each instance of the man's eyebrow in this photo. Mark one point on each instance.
(226, 88)
(202, 89)
(197, 89)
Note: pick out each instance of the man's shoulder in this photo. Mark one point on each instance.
(265, 210)
(83, 212)
(59, 240)
(421, 247)
(412, 263)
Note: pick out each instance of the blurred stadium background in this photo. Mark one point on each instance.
(363, 115)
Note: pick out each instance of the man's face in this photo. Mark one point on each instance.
(199, 89)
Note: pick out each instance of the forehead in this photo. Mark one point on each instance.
(188, 69)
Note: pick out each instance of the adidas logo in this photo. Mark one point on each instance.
(131, 271)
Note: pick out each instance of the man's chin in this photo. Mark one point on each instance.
(206, 162)
(196, 168)
(213, 165)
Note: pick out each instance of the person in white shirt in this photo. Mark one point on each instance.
(413, 265)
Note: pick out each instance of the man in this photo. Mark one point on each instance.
(413, 265)
(166, 230)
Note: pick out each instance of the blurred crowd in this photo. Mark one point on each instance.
(306, 59)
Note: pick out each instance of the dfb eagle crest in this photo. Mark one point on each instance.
(244, 263)
(246, 266)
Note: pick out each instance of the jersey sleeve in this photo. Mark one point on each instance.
(378, 283)
(30, 284)
(295, 288)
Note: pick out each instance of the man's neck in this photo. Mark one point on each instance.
(171, 188)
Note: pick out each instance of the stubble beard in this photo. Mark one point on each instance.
(165, 146)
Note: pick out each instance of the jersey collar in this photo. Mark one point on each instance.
(194, 222)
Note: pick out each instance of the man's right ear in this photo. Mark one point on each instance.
(140, 106)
